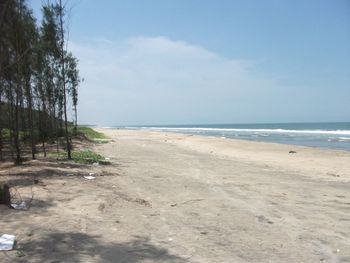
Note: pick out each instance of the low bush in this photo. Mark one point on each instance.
(83, 157)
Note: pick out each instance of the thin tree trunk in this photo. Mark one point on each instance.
(16, 129)
(42, 126)
(22, 118)
(64, 83)
(10, 110)
(1, 140)
(17, 109)
(18, 91)
(30, 118)
(1, 144)
(76, 120)
(56, 134)
(44, 149)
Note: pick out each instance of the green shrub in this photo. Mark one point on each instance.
(83, 157)
(5, 133)
(92, 135)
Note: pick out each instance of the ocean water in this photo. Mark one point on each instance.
(333, 135)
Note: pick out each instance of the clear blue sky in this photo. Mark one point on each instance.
(198, 61)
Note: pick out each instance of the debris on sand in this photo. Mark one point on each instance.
(292, 152)
(89, 177)
(21, 206)
(7, 242)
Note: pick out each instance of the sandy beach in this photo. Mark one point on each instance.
(170, 197)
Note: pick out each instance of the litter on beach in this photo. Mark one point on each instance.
(20, 206)
(7, 242)
(89, 177)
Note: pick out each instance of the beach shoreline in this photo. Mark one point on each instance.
(169, 197)
(282, 156)
(321, 135)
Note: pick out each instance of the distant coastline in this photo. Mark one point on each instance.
(329, 135)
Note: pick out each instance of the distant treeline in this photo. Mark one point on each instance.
(38, 77)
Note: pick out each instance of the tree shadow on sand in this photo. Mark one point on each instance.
(27, 173)
(80, 247)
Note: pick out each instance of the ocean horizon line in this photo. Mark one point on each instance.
(214, 124)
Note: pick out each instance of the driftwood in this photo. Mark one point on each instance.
(5, 196)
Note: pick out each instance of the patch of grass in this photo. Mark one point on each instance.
(92, 135)
(86, 157)
(22, 136)
(5, 133)
(20, 253)
(83, 157)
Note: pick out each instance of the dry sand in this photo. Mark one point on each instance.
(179, 198)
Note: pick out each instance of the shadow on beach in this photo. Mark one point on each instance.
(80, 247)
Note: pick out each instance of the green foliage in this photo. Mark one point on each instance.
(38, 77)
(5, 134)
(88, 157)
(92, 135)
(82, 157)
(22, 135)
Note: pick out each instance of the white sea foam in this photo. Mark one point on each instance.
(276, 131)
(264, 135)
(343, 139)
(339, 139)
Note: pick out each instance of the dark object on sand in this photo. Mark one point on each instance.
(5, 196)
(292, 152)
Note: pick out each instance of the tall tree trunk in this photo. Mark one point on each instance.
(56, 133)
(42, 126)
(22, 119)
(64, 83)
(1, 143)
(1, 114)
(10, 111)
(16, 128)
(44, 149)
(76, 120)
(18, 89)
(30, 119)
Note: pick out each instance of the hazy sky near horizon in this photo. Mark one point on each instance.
(202, 61)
